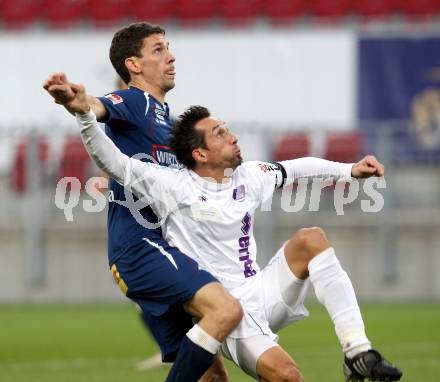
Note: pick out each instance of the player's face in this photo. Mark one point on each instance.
(157, 62)
(222, 148)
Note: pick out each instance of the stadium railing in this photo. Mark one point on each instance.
(397, 247)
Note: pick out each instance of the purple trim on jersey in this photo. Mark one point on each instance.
(244, 243)
(246, 223)
(239, 192)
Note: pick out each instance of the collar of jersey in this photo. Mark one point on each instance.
(164, 105)
(210, 185)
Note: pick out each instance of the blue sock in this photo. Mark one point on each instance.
(191, 362)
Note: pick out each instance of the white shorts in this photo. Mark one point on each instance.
(271, 300)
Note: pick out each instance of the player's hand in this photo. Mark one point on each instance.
(367, 167)
(59, 88)
(79, 103)
(71, 96)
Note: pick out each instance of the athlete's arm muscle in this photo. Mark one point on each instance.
(97, 107)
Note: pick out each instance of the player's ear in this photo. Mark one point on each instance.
(132, 65)
(199, 155)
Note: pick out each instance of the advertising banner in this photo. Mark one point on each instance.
(399, 80)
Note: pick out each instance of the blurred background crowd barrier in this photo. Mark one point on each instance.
(336, 79)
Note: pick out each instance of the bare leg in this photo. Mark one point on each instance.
(217, 372)
(219, 312)
(275, 365)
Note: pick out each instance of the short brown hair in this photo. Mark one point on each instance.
(128, 42)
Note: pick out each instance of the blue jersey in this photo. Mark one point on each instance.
(158, 277)
(138, 124)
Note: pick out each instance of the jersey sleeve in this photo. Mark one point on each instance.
(314, 167)
(123, 108)
(264, 178)
(157, 185)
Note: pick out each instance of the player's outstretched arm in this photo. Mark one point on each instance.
(310, 167)
(148, 181)
(101, 149)
(58, 86)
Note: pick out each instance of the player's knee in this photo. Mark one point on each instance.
(230, 314)
(311, 241)
(289, 373)
(226, 315)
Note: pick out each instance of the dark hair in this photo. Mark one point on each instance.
(184, 138)
(128, 42)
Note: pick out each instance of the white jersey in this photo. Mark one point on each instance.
(210, 222)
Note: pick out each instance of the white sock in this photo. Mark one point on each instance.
(334, 290)
(197, 335)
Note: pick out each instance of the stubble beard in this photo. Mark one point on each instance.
(235, 161)
(169, 85)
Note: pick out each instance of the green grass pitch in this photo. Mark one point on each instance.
(91, 343)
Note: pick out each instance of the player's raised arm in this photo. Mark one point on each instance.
(269, 176)
(148, 181)
(309, 167)
(314, 167)
(58, 86)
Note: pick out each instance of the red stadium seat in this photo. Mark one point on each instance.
(375, 8)
(343, 147)
(281, 11)
(197, 10)
(18, 171)
(331, 8)
(75, 161)
(291, 146)
(63, 13)
(240, 11)
(20, 13)
(103, 13)
(420, 8)
(152, 10)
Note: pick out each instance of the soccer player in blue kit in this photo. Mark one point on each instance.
(167, 285)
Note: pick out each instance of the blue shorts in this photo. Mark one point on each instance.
(160, 279)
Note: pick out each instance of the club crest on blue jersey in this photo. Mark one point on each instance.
(114, 98)
(160, 115)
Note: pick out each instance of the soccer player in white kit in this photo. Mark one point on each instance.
(207, 209)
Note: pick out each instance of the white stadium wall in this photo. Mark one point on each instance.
(278, 78)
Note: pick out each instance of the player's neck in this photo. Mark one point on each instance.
(157, 93)
(218, 175)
